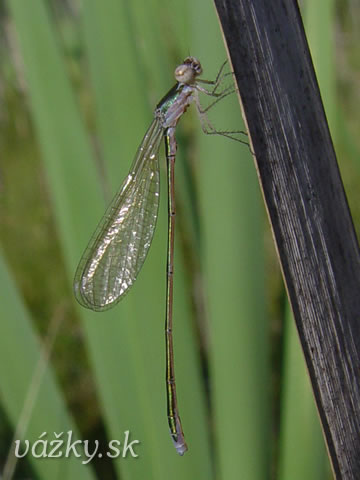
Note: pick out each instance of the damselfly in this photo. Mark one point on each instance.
(118, 248)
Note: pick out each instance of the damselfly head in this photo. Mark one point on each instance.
(188, 70)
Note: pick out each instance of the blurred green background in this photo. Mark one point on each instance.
(79, 81)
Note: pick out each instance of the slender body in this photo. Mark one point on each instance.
(172, 410)
(118, 248)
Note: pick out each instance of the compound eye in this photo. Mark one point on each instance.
(188, 70)
(184, 73)
(197, 67)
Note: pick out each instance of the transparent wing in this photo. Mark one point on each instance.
(118, 248)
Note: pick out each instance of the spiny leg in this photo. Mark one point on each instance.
(217, 82)
(219, 96)
(207, 126)
(209, 129)
(219, 78)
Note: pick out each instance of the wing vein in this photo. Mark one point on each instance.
(118, 248)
